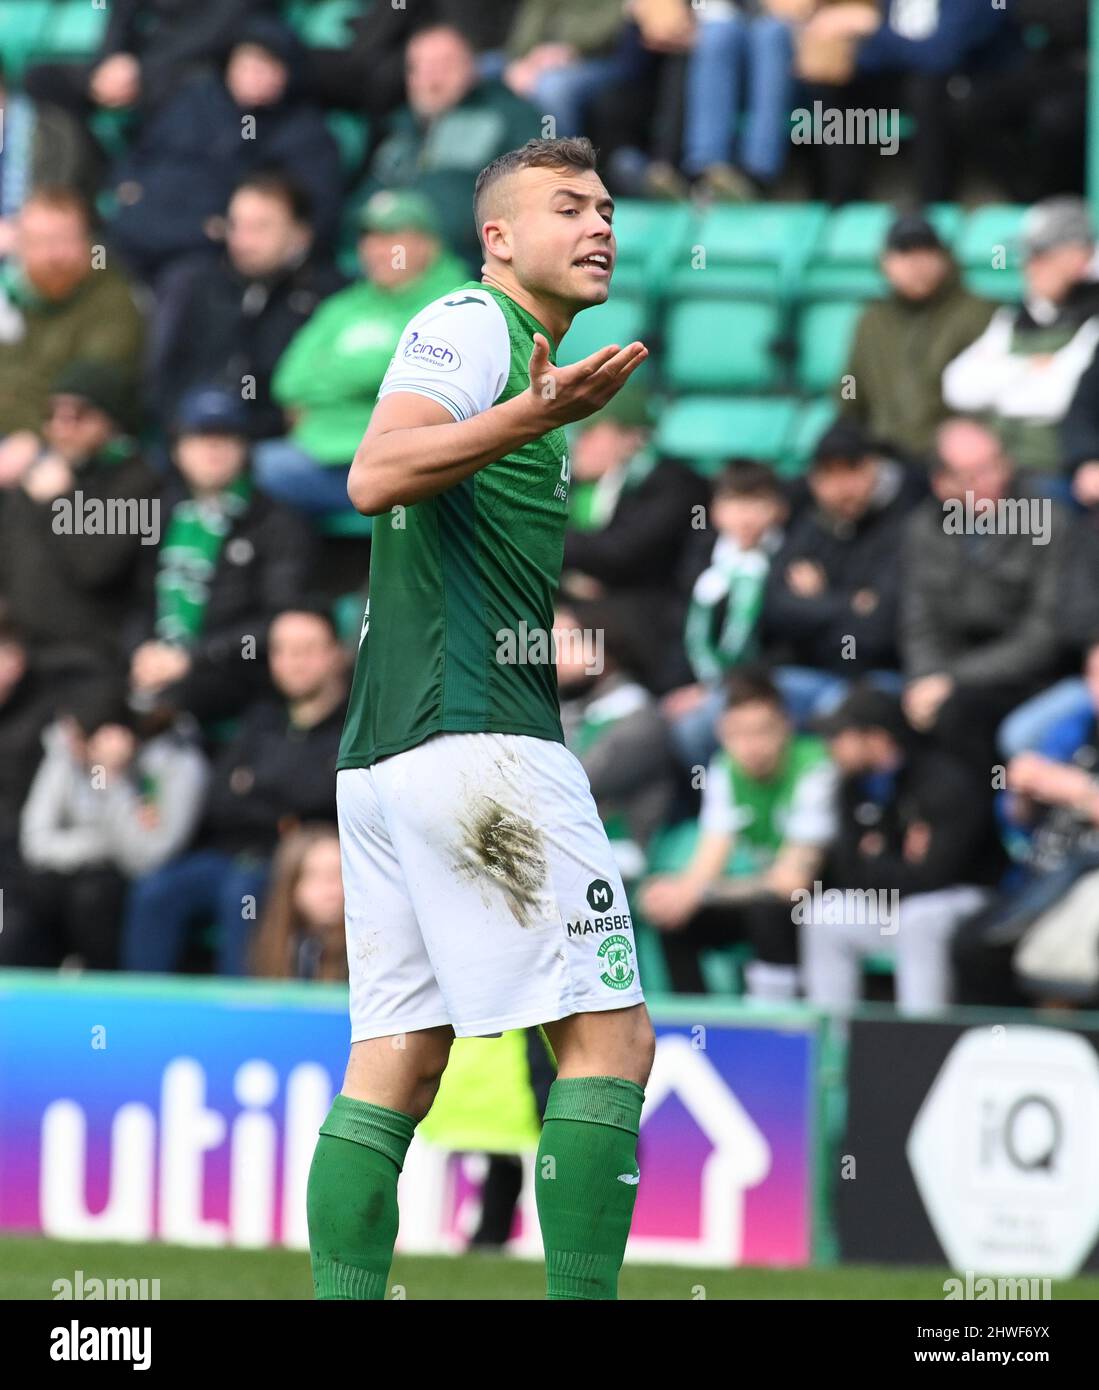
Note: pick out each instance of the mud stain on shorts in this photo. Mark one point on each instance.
(508, 849)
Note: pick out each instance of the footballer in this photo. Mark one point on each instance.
(482, 893)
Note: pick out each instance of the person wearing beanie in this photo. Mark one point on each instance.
(74, 523)
(327, 379)
(229, 558)
(892, 384)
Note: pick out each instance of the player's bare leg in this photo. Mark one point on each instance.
(586, 1175)
(352, 1194)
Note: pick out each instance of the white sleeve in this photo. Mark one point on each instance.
(717, 815)
(985, 371)
(811, 819)
(457, 351)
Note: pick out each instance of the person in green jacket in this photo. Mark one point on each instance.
(61, 301)
(327, 379)
(893, 382)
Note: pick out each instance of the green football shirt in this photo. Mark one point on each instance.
(457, 633)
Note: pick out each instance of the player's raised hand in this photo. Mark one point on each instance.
(565, 394)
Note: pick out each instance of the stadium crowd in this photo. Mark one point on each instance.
(845, 717)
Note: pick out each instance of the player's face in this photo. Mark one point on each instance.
(558, 236)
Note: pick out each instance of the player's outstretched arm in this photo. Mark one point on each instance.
(414, 448)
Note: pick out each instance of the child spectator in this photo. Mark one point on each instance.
(767, 819)
(301, 936)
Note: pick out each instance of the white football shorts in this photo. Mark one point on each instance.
(481, 890)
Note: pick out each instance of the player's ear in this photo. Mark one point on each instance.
(496, 236)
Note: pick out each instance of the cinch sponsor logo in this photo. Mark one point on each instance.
(435, 352)
(588, 925)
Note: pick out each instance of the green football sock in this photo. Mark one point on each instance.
(586, 1182)
(351, 1199)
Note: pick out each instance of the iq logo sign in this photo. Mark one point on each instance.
(600, 895)
(615, 955)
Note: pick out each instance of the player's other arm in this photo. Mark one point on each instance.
(414, 448)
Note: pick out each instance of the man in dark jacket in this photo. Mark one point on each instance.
(232, 320)
(915, 852)
(73, 524)
(893, 382)
(278, 771)
(173, 184)
(978, 629)
(229, 560)
(830, 607)
(148, 48)
(630, 536)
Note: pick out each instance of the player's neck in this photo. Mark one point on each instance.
(554, 317)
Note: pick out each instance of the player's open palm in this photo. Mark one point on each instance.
(565, 394)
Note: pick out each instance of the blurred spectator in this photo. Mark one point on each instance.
(767, 819)
(1023, 371)
(228, 561)
(42, 145)
(637, 120)
(1051, 805)
(368, 72)
(232, 320)
(60, 302)
(563, 51)
(73, 520)
(1026, 126)
(173, 183)
(276, 771)
(739, 92)
(893, 382)
(105, 805)
(301, 936)
(452, 125)
(978, 630)
(612, 724)
(149, 47)
(327, 380)
(748, 512)
(916, 850)
(629, 542)
(857, 55)
(830, 609)
(25, 702)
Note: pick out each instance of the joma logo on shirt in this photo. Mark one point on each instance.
(431, 352)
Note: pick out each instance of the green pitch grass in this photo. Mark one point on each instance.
(28, 1268)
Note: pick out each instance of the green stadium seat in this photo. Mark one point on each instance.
(824, 335)
(707, 430)
(75, 30)
(650, 236)
(845, 264)
(322, 23)
(23, 27)
(989, 251)
(811, 420)
(754, 249)
(722, 345)
(622, 319)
